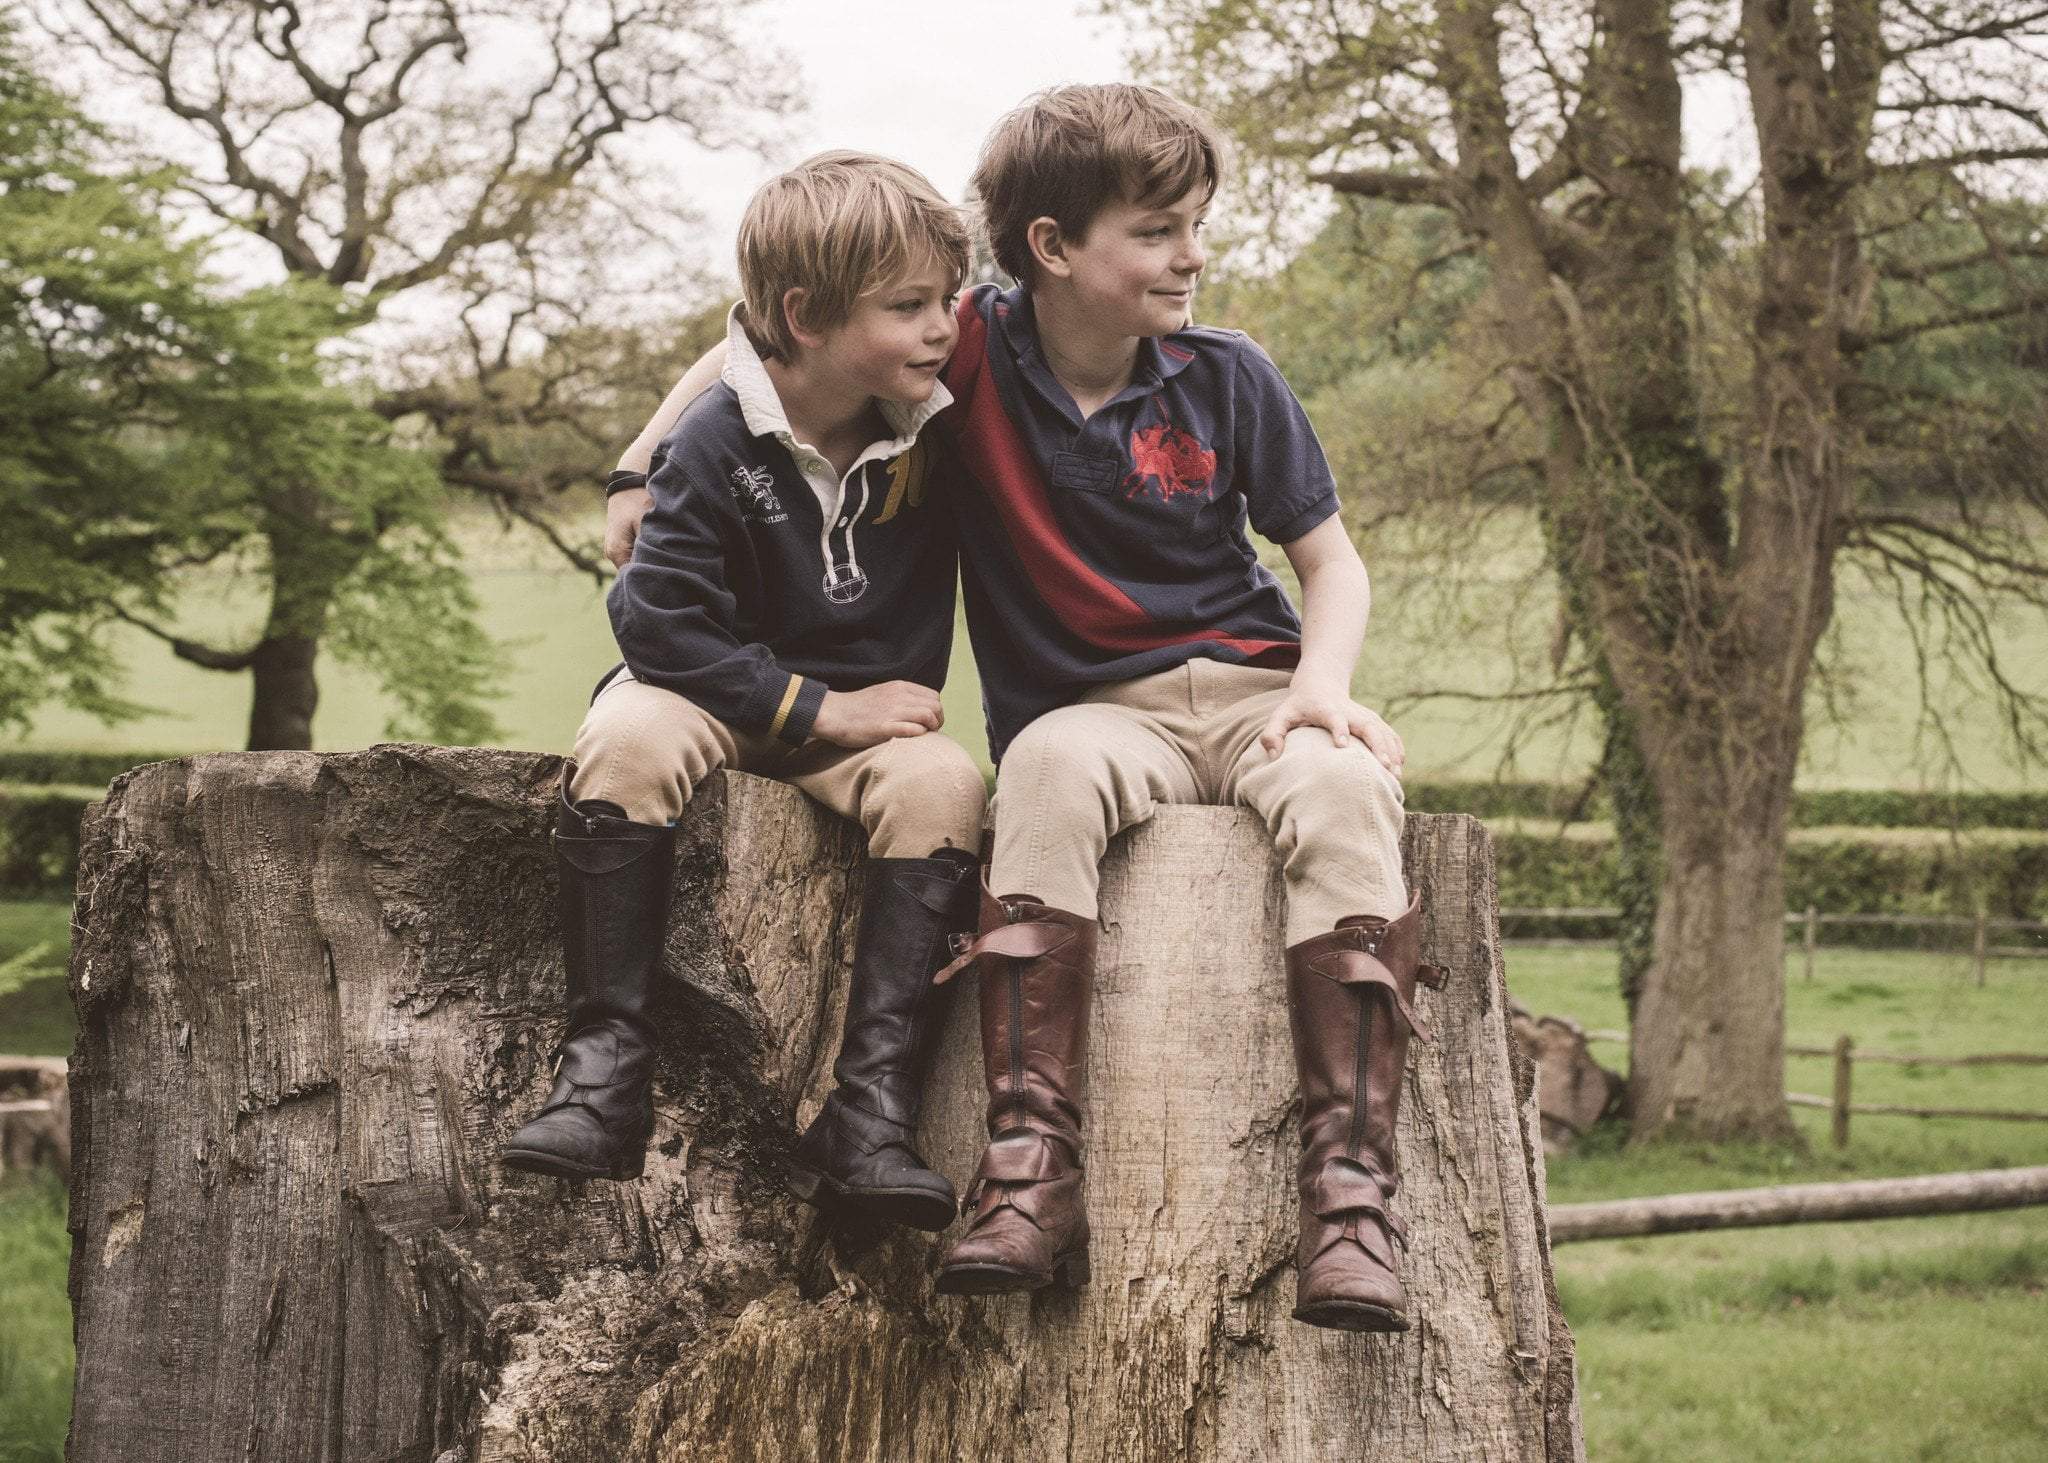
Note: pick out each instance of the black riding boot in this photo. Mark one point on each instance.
(616, 879)
(858, 1154)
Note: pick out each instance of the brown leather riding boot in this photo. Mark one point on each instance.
(1350, 997)
(1029, 1226)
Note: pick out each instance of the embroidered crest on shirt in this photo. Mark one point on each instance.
(753, 488)
(1167, 463)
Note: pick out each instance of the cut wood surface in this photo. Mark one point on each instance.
(316, 992)
(1938, 1193)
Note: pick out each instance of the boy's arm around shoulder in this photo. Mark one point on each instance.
(625, 506)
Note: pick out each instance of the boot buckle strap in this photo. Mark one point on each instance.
(1025, 941)
(1022, 1160)
(1354, 972)
(1340, 1204)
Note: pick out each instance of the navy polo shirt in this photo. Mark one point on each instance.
(1112, 548)
(761, 578)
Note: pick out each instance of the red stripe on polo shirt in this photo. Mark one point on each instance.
(1090, 605)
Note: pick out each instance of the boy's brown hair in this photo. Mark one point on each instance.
(1069, 152)
(838, 226)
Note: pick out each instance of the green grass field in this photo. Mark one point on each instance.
(1892, 1339)
(1427, 632)
(1899, 1339)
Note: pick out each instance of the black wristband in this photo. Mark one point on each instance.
(623, 479)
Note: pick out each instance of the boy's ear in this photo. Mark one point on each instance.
(793, 301)
(1048, 246)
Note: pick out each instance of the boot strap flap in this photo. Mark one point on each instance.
(601, 855)
(1025, 941)
(1350, 968)
(589, 1060)
(935, 892)
(867, 1131)
(1344, 1184)
(1342, 1190)
(1022, 1160)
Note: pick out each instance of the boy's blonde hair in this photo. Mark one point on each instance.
(1069, 152)
(838, 226)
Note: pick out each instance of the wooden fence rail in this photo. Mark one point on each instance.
(1845, 1054)
(1981, 926)
(1937, 1193)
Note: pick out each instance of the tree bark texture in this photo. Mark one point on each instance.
(317, 991)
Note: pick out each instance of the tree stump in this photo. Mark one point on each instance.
(35, 1115)
(1573, 1091)
(316, 992)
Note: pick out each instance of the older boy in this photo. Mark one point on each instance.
(788, 610)
(1133, 652)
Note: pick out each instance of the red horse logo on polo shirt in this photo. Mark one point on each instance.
(1168, 462)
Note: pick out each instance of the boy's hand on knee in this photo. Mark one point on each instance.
(1342, 718)
(622, 514)
(869, 717)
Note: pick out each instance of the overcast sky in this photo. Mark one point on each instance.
(918, 80)
(924, 80)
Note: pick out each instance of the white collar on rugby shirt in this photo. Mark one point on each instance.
(761, 404)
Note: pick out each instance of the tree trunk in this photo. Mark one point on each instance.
(316, 992)
(1707, 1045)
(310, 558)
(285, 694)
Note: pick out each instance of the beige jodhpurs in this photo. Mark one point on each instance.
(1078, 775)
(647, 749)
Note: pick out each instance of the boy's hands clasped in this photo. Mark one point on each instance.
(869, 717)
(1341, 717)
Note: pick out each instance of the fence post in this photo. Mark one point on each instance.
(1842, 1065)
(1812, 920)
(1977, 945)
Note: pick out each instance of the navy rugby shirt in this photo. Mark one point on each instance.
(761, 578)
(1115, 548)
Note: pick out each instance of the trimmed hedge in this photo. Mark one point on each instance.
(74, 769)
(39, 839)
(1835, 876)
(1851, 808)
(1854, 808)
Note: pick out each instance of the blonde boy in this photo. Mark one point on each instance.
(787, 610)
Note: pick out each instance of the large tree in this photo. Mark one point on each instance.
(149, 410)
(1697, 532)
(455, 167)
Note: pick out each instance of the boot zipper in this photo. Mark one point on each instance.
(1017, 1037)
(1358, 1076)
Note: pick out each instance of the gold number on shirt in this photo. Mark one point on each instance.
(906, 479)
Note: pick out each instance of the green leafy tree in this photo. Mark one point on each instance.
(451, 161)
(1695, 380)
(150, 413)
